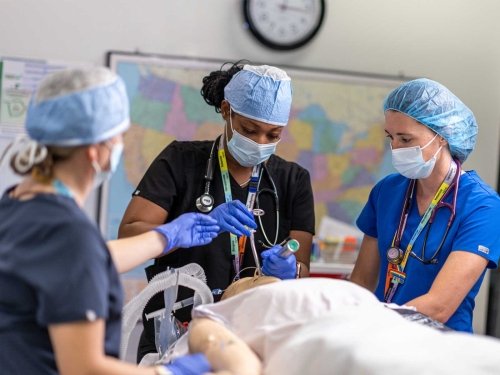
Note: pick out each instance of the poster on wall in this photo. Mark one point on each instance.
(19, 78)
(335, 129)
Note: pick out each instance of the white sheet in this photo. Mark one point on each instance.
(325, 326)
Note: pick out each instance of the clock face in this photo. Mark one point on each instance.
(284, 24)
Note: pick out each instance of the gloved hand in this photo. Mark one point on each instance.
(277, 266)
(188, 230)
(191, 364)
(232, 217)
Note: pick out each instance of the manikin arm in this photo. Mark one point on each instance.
(225, 351)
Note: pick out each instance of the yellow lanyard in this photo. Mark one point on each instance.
(236, 251)
(395, 273)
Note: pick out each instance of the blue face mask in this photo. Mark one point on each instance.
(247, 152)
(410, 162)
(102, 176)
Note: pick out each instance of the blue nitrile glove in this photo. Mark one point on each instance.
(277, 266)
(188, 230)
(191, 364)
(232, 217)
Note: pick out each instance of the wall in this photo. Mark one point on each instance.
(452, 41)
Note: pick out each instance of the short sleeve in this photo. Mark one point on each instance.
(72, 275)
(478, 232)
(367, 219)
(303, 204)
(159, 184)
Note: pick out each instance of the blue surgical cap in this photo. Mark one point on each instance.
(88, 116)
(262, 93)
(436, 107)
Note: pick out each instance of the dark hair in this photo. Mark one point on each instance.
(213, 84)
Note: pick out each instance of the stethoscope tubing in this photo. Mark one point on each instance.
(452, 207)
(209, 177)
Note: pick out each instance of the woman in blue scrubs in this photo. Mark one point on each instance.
(431, 230)
(61, 294)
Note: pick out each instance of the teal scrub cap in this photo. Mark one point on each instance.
(262, 93)
(87, 106)
(436, 107)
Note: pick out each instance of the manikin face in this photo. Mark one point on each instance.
(246, 283)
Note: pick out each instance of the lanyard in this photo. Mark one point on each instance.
(61, 188)
(395, 272)
(237, 247)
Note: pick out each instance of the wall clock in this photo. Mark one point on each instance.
(284, 24)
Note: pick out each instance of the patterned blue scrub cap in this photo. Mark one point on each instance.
(436, 107)
(78, 107)
(262, 93)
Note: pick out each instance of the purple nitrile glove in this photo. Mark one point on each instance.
(188, 230)
(233, 217)
(191, 364)
(277, 266)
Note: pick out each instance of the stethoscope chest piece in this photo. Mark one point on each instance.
(205, 203)
(395, 255)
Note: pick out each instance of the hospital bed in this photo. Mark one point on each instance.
(326, 326)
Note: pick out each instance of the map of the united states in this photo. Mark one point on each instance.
(335, 131)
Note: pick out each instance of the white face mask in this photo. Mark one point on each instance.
(410, 162)
(247, 152)
(102, 176)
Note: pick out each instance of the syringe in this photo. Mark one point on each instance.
(289, 248)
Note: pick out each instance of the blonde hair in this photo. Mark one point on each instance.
(30, 157)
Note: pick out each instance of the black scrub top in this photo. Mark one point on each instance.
(175, 180)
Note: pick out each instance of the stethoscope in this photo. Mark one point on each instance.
(394, 253)
(205, 202)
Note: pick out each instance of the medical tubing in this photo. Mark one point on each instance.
(254, 252)
(192, 269)
(236, 277)
(275, 192)
(132, 311)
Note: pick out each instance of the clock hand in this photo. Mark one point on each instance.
(285, 7)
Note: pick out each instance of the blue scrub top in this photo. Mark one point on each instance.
(54, 268)
(473, 230)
